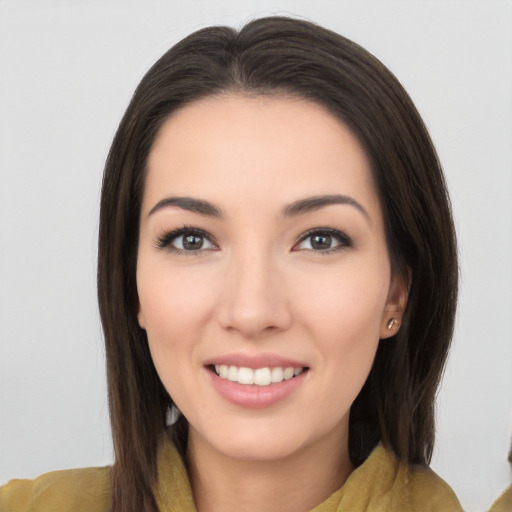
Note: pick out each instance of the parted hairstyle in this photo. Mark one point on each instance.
(282, 56)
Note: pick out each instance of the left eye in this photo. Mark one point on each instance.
(324, 241)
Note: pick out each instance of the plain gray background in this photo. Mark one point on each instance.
(67, 71)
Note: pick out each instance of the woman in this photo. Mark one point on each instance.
(277, 268)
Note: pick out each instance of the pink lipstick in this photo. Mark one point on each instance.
(255, 381)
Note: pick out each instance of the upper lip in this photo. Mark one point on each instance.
(254, 361)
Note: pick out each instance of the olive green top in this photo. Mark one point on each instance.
(380, 484)
(504, 502)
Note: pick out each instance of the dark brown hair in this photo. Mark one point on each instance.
(284, 56)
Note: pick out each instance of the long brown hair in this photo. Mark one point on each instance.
(275, 56)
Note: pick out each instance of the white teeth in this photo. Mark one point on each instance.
(262, 377)
(288, 373)
(245, 376)
(233, 373)
(277, 374)
(259, 377)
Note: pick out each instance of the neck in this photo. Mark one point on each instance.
(295, 483)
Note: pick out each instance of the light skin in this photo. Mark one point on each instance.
(260, 272)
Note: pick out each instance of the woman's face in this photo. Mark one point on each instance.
(262, 258)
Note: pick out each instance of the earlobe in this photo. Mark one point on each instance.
(395, 305)
(140, 318)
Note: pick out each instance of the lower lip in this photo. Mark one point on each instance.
(252, 396)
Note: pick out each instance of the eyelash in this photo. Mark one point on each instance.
(165, 241)
(344, 241)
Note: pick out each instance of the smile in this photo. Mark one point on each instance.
(259, 376)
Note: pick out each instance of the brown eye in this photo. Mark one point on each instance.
(191, 242)
(324, 241)
(321, 242)
(186, 240)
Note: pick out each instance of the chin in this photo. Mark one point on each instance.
(262, 441)
(265, 449)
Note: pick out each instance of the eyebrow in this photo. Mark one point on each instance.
(299, 207)
(190, 204)
(314, 203)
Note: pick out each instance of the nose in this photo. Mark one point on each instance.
(254, 302)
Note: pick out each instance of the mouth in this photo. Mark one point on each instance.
(262, 377)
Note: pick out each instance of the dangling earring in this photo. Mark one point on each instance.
(391, 323)
(172, 415)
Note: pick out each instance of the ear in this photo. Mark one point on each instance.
(395, 304)
(140, 317)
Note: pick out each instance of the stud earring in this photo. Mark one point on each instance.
(391, 323)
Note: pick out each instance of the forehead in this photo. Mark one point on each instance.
(272, 147)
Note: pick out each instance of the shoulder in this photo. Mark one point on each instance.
(429, 492)
(80, 490)
(382, 484)
(392, 486)
(504, 502)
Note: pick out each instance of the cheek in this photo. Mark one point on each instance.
(347, 300)
(345, 323)
(342, 312)
(175, 305)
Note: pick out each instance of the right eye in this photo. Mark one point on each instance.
(186, 241)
